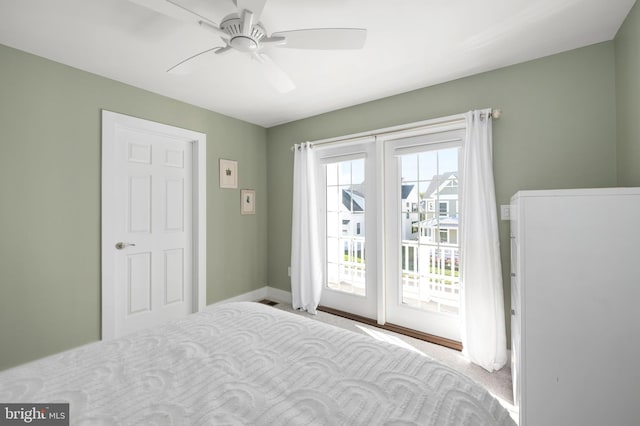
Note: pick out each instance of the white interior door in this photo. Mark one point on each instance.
(148, 232)
(422, 211)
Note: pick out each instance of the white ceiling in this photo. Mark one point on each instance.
(410, 44)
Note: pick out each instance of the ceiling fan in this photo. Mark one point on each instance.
(243, 32)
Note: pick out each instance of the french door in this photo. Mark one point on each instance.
(348, 200)
(390, 230)
(422, 244)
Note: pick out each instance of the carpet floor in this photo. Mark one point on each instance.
(497, 383)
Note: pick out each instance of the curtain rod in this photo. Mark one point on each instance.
(420, 125)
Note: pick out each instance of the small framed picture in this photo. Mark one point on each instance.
(228, 174)
(248, 201)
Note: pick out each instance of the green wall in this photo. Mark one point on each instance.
(50, 201)
(557, 130)
(628, 99)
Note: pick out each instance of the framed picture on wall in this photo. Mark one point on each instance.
(248, 201)
(228, 174)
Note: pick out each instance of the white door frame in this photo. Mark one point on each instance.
(110, 122)
(379, 138)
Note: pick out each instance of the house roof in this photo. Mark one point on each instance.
(441, 221)
(436, 183)
(352, 196)
(406, 190)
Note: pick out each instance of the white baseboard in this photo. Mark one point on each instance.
(265, 292)
(278, 295)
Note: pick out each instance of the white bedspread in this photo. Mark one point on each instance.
(246, 363)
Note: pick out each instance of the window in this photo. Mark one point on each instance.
(345, 243)
(427, 254)
(443, 207)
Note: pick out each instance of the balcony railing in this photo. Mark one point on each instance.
(349, 274)
(430, 273)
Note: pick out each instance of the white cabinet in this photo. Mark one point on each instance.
(575, 296)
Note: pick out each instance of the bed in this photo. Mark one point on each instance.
(250, 364)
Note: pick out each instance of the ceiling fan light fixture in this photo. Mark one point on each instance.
(244, 44)
(244, 41)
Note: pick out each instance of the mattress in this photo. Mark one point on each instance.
(251, 364)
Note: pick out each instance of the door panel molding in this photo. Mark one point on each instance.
(111, 123)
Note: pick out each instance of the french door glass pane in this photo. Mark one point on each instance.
(345, 226)
(429, 209)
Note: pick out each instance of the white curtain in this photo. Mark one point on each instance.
(483, 326)
(306, 266)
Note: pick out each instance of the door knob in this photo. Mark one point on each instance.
(122, 245)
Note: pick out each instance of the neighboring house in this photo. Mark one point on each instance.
(439, 229)
(439, 205)
(429, 217)
(410, 211)
(352, 211)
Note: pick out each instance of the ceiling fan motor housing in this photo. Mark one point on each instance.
(232, 25)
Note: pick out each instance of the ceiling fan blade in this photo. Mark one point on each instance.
(274, 75)
(182, 67)
(215, 29)
(273, 41)
(175, 10)
(324, 38)
(171, 9)
(247, 22)
(223, 50)
(255, 6)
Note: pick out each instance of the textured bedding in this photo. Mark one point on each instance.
(247, 363)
